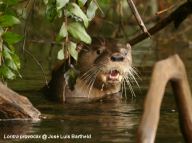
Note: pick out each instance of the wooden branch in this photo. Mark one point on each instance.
(13, 105)
(173, 70)
(138, 17)
(176, 16)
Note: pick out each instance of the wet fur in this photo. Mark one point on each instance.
(93, 63)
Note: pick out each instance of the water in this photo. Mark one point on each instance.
(105, 122)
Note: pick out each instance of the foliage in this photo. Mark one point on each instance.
(73, 30)
(9, 61)
(77, 16)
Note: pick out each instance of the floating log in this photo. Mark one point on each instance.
(173, 70)
(13, 105)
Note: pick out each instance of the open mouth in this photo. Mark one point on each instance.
(113, 75)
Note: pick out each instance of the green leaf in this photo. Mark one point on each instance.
(11, 38)
(91, 10)
(78, 32)
(6, 53)
(59, 13)
(61, 4)
(11, 56)
(11, 65)
(16, 61)
(63, 32)
(71, 46)
(51, 12)
(76, 10)
(82, 2)
(7, 72)
(60, 54)
(8, 20)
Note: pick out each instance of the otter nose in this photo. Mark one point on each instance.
(117, 58)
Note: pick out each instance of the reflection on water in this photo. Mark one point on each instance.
(106, 122)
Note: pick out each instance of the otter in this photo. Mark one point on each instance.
(102, 70)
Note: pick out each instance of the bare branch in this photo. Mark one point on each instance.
(38, 63)
(27, 23)
(138, 17)
(177, 16)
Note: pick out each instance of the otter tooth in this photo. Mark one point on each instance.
(102, 86)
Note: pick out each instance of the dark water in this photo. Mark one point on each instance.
(102, 122)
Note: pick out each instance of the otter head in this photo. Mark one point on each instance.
(105, 65)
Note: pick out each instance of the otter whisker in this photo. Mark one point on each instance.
(87, 72)
(92, 69)
(87, 80)
(93, 81)
(91, 78)
(90, 75)
(95, 69)
(130, 87)
(134, 71)
(133, 77)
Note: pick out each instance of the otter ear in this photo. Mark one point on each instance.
(128, 46)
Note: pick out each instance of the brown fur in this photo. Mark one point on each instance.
(97, 61)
